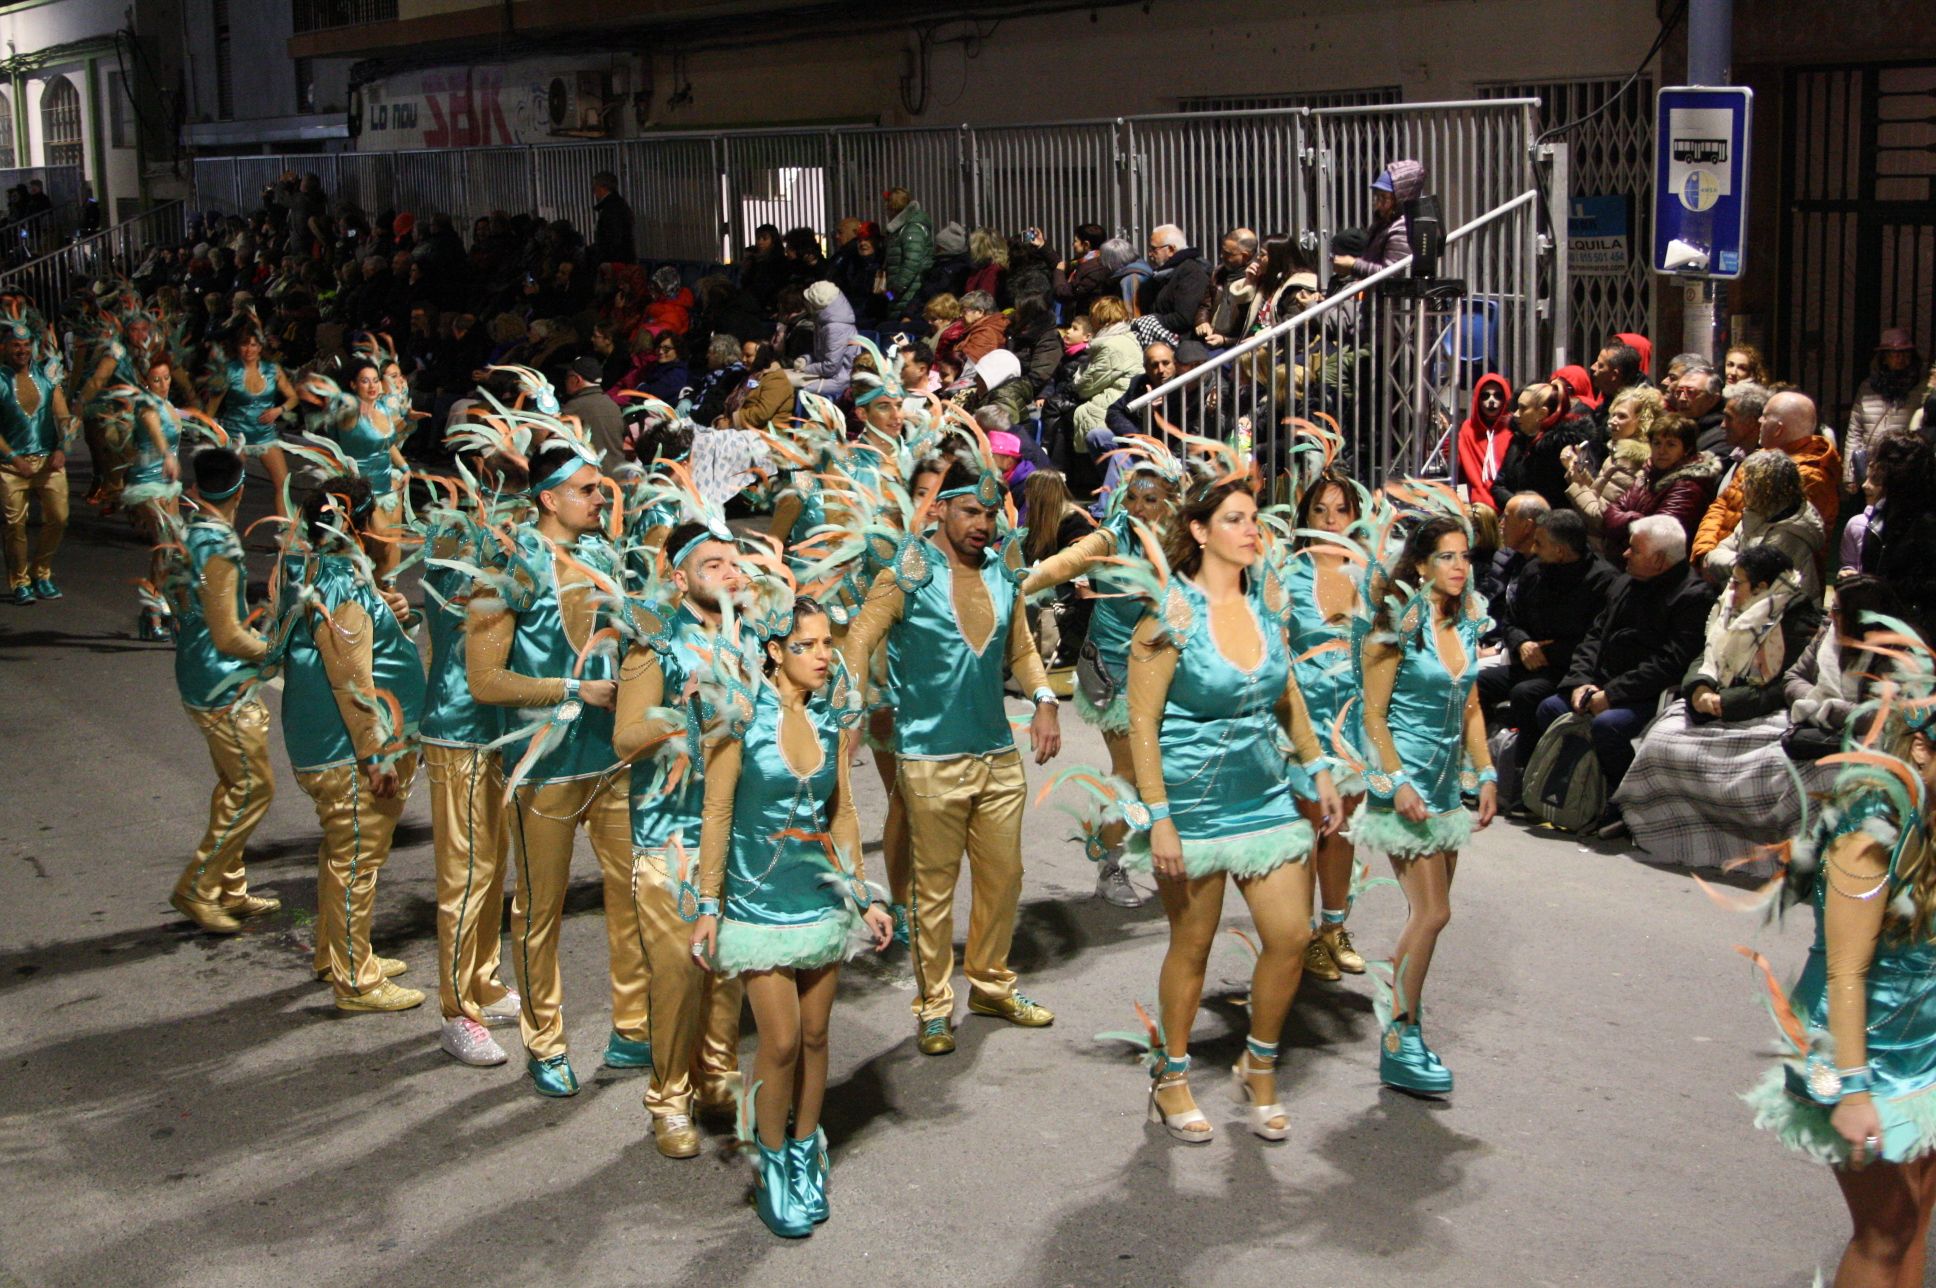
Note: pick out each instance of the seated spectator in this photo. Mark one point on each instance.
(1709, 781)
(1677, 482)
(1128, 273)
(1159, 367)
(946, 275)
(1630, 417)
(1519, 524)
(1835, 675)
(1114, 360)
(945, 326)
(1223, 317)
(586, 399)
(1576, 386)
(668, 377)
(999, 382)
(1696, 394)
(1083, 278)
(1774, 513)
(723, 306)
(1005, 445)
(1741, 422)
(917, 369)
(1788, 425)
(725, 372)
(1388, 240)
(1032, 338)
(1484, 437)
(987, 265)
(986, 329)
(1899, 541)
(831, 365)
(1637, 649)
(1618, 368)
(1743, 364)
(1547, 609)
(1543, 430)
(1177, 285)
(767, 393)
(669, 304)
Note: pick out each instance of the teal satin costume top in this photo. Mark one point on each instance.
(947, 697)
(208, 678)
(658, 815)
(369, 447)
(312, 728)
(453, 717)
(150, 467)
(783, 903)
(242, 411)
(27, 434)
(1427, 717)
(1328, 680)
(541, 648)
(813, 514)
(1114, 614)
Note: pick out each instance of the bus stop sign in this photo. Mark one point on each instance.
(1701, 179)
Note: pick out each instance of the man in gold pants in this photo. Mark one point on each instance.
(528, 646)
(33, 464)
(216, 657)
(694, 1015)
(941, 607)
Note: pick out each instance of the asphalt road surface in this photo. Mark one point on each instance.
(185, 1109)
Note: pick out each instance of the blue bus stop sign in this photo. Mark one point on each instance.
(1701, 179)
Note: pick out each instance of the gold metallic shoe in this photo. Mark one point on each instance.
(253, 905)
(675, 1135)
(934, 1037)
(1337, 942)
(384, 997)
(211, 917)
(1317, 960)
(391, 968)
(1016, 1008)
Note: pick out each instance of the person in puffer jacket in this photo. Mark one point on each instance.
(827, 371)
(1389, 240)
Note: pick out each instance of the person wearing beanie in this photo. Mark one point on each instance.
(828, 370)
(1389, 239)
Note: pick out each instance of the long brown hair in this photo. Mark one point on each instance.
(1332, 477)
(1409, 573)
(1180, 547)
(1046, 498)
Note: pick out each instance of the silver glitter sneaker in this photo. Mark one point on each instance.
(504, 1010)
(468, 1042)
(1112, 883)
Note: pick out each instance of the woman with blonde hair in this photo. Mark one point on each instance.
(1630, 418)
(988, 264)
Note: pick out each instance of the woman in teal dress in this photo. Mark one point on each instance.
(249, 399)
(1323, 587)
(363, 426)
(1426, 747)
(152, 486)
(1211, 698)
(1146, 497)
(780, 894)
(1859, 1089)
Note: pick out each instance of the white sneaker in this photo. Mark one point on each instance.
(504, 1010)
(468, 1042)
(1113, 885)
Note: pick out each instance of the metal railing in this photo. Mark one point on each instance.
(700, 195)
(327, 15)
(36, 234)
(1389, 364)
(114, 251)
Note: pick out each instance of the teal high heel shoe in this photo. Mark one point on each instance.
(807, 1167)
(773, 1194)
(622, 1052)
(1405, 1062)
(552, 1076)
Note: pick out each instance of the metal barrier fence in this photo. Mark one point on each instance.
(1389, 363)
(115, 250)
(700, 196)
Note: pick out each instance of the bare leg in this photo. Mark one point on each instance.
(1427, 883)
(1124, 768)
(1883, 1208)
(816, 992)
(1334, 858)
(776, 1014)
(1194, 908)
(277, 466)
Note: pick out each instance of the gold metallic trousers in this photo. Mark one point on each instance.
(51, 487)
(544, 824)
(467, 821)
(357, 829)
(972, 803)
(238, 744)
(692, 1014)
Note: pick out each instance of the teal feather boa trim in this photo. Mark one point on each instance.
(745, 946)
(1908, 1122)
(1382, 831)
(1253, 854)
(1113, 718)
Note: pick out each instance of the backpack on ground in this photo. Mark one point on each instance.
(1562, 783)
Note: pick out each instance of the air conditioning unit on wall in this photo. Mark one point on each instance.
(582, 105)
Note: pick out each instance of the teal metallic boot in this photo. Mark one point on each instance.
(552, 1076)
(807, 1166)
(1405, 1062)
(622, 1052)
(774, 1197)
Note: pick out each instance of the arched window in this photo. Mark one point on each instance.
(60, 122)
(6, 133)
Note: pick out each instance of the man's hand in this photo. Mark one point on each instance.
(1532, 656)
(599, 693)
(1045, 733)
(382, 780)
(1599, 704)
(1344, 263)
(1708, 703)
(56, 461)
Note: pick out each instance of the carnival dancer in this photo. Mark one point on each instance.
(781, 895)
(352, 699)
(459, 738)
(1210, 688)
(1139, 511)
(1860, 1026)
(218, 661)
(151, 486)
(34, 429)
(251, 398)
(1425, 745)
(1321, 578)
(948, 608)
(538, 639)
(362, 425)
(119, 357)
(692, 1016)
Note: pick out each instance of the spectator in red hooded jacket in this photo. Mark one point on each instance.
(1579, 386)
(1545, 427)
(1485, 437)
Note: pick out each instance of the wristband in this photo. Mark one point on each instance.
(572, 683)
(708, 907)
(1827, 1085)
(1857, 1080)
(1384, 784)
(1159, 811)
(1490, 774)
(1046, 695)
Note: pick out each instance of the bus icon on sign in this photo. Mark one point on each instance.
(1701, 151)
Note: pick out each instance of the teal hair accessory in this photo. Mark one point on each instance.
(987, 490)
(557, 477)
(225, 493)
(711, 533)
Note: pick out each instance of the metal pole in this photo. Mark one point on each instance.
(1710, 59)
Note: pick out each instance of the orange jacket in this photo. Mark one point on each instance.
(1821, 467)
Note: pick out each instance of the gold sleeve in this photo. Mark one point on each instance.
(1152, 664)
(1380, 678)
(844, 826)
(786, 513)
(642, 719)
(1069, 563)
(1851, 926)
(1476, 750)
(1024, 660)
(716, 816)
(1296, 719)
(885, 601)
(217, 594)
(344, 642)
(487, 652)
